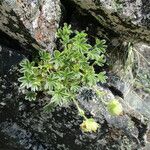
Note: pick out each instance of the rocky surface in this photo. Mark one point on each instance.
(129, 19)
(12, 58)
(134, 83)
(130, 122)
(142, 83)
(25, 125)
(32, 22)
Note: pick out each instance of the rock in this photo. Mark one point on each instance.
(142, 82)
(129, 19)
(134, 83)
(33, 23)
(25, 125)
(8, 57)
(125, 123)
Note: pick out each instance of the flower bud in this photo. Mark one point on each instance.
(115, 108)
(89, 125)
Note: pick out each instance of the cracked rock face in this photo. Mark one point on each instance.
(131, 122)
(128, 18)
(32, 22)
(25, 125)
(134, 85)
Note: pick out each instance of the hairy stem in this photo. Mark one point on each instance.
(81, 111)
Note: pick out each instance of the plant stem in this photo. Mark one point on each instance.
(81, 111)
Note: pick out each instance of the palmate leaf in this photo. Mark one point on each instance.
(100, 46)
(35, 85)
(77, 76)
(64, 34)
(76, 67)
(50, 82)
(102, 77)
(29, 81)
(47, 66)
(27, 66)
(66, 74)
(90, 79)
(100, 60)
(57, 54)
(84, 65)
(79, 42)
(26, 80)
(98, 49)
(93, 55)
(80, 38)
(75, 87)
(45, 56)
(31, 96)
(58, 59)
(60, 97)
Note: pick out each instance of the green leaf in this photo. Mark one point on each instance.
(62, 73)
(29, 81)
(102, 77)
(79, 42)
(64, 34)
(31, 96)
(50, 82)
(93, 55)
(57, 59)
(26, 80)
(45, 56)
(100, 46)
(35, 85)
(60, 97)
(75, 87)
(100, 60)
(90, 79)
(26, 66)
(49, 107)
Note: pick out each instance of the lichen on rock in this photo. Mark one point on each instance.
(31, 22)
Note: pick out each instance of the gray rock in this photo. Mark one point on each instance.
(7, 57)
(32, 22)
(130, 19)
(24, 125)
(125, 122)
(142, 82)
(134, 83)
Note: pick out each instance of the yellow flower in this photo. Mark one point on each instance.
(114, 107)
(89, 125)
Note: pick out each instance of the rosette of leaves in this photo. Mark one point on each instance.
(62, 73)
